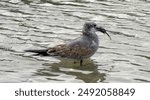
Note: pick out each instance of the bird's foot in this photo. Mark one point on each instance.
(81, 62)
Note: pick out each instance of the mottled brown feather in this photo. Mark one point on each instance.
(75, 52)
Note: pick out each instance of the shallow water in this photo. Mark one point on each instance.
(28, 24)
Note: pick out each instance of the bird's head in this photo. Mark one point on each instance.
(91, 27)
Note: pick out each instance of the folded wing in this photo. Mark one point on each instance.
(76, 51)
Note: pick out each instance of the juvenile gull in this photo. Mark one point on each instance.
(79, 48)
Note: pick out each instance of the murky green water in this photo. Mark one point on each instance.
(29, 24)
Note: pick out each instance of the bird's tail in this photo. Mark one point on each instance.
(39, 52)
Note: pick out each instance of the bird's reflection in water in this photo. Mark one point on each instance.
(87, 73)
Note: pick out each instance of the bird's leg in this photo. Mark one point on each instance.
(81, 61)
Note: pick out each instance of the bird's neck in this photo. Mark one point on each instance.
(92, 36)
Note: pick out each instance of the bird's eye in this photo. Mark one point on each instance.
(94, 25)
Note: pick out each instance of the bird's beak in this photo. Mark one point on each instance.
(103, 31)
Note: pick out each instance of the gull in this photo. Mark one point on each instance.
(80, 48)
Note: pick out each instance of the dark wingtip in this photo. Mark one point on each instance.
(39, 52)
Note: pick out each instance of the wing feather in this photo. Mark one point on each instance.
(75, 51)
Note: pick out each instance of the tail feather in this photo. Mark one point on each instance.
(39, 52)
